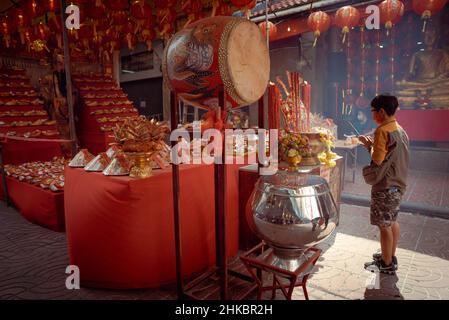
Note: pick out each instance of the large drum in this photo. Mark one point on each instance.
(215, 53)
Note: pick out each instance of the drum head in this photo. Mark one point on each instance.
(248, 62)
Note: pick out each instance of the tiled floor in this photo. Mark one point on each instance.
(431, 188)
(33, 262)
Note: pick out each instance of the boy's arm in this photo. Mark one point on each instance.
(379, 149)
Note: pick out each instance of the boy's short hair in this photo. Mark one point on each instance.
(387, 102)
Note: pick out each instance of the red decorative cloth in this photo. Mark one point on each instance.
(39, 206)
(120, 230)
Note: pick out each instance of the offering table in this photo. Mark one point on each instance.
(120, 230)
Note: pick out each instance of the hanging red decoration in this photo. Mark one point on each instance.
(346, 18)
(148, 35)
(272, 29)
(319, 22)
(361, 101)
(194, 9)
(112, 38)
(96, 10)
(19, 19)
(130, 39)
(41, 32)
(117, 5)
(427, 8)
(32, 8)
(119, 18)
(166, 19)
(140, 10)
(39, 38)
(54, 23)
(5, 30)
(55, 26)
(99, 28)
(245, 5)
(86, 33)
(391, 11)
(50, 5)
(220, 8)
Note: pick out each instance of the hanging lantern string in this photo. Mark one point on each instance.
(392, 43)
(377, 61)
(362, 41)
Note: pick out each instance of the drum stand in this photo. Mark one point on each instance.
(221, 273)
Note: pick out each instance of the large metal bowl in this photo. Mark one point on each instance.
(291, 211)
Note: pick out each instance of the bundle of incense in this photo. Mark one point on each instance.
(294, 81)
(287, 108)
(306, 97)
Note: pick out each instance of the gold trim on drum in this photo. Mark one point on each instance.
(223, 61)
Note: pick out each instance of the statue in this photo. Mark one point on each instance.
(427, 82)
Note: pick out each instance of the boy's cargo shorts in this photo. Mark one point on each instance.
(385, 206)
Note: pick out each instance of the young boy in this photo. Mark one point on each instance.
(387, 174)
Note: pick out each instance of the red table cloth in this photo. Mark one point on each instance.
(39, 206)
(120, 230)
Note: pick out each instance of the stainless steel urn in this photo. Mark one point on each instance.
(292, 211)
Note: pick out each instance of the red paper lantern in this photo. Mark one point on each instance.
(140, 10)
(318, 22)
(117, 5)
(427, 8)
(346, 18)
(272, 29)
(245, 5)
(391, 11)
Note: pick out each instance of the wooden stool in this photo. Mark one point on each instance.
(261, 258)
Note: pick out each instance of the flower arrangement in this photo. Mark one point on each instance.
(293, 147)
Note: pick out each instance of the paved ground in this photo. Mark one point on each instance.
(431, 188)
(33, 262)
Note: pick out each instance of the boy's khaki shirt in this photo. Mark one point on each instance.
(391, 148)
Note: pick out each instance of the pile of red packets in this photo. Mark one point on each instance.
(46, 175)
